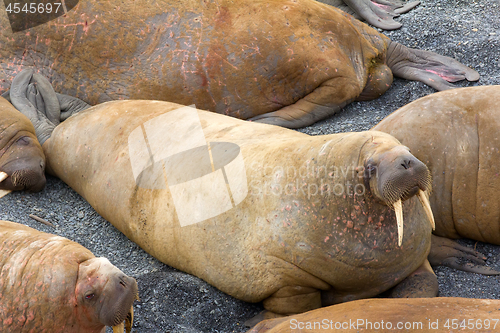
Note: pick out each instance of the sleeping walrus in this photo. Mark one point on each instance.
(287, 63)
(51, 284)
(261, 212)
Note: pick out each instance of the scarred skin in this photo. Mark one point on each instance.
(294, 252)
(455, 133)
(51, 284)
(21, 156)
(383, 315)
(288, 63)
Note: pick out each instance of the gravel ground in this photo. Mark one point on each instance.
(172, 301)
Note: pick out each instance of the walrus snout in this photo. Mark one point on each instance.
(103, 284)
(120, 307)
(397, 176)
(23, 174)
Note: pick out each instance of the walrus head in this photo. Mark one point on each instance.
(105, 294)
(22, 165)
(394, 175)
(22, 162)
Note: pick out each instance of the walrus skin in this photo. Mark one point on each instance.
(295, 251)
(455, 133)
(22, 163)
(51, 284)
(440, 314)
(288, 63)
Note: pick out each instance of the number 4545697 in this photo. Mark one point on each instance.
(33, 8)
(471, 324)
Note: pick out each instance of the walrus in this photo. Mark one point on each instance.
(51, 284)
(22, 162)
(288, 63)
(455, 133)
(440, 314)
(261, 212)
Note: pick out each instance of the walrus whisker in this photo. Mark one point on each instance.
(424, 200)
(3, 176)
(398, 208)
(127, 324)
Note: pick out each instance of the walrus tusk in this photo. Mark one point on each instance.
(424, 200)
(118, 328)
(3, 176)
(398, 208)
(127, 325)
(130, 320)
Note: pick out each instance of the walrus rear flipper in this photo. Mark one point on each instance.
(34, 96)
(428, 67)
(446, 252)
(22, 94)
(379, 13)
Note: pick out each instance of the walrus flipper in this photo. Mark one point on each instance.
(22, 95)
(321, 103)
(428, 67)
(421, 283)
(70, 105)
(446, 252)
(379, 13)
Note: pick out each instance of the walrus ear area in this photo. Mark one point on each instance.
(428, 67)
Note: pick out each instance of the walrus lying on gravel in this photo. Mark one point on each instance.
(287, 63)
(440, 314)
(22, 163)
(51, 284)
(261, 212)
(456, 134)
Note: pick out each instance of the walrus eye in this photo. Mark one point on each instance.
(89, 296)
(23, 141)
(370, 170)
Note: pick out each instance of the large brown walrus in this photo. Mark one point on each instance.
(22, 163)
(455, 133)
(288, 63)
(440, 314)
(51, 284)
(261, 212)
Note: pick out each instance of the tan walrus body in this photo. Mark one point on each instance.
(22, 162)
(295, 239)
(440, 314)
(289, 63)
(51, 284)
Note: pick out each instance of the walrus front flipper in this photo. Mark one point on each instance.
(321, 103)
(446, 252)
(20, 94)
(428, 67)
(421, 283)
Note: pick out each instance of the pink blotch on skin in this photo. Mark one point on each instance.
(327, 238)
